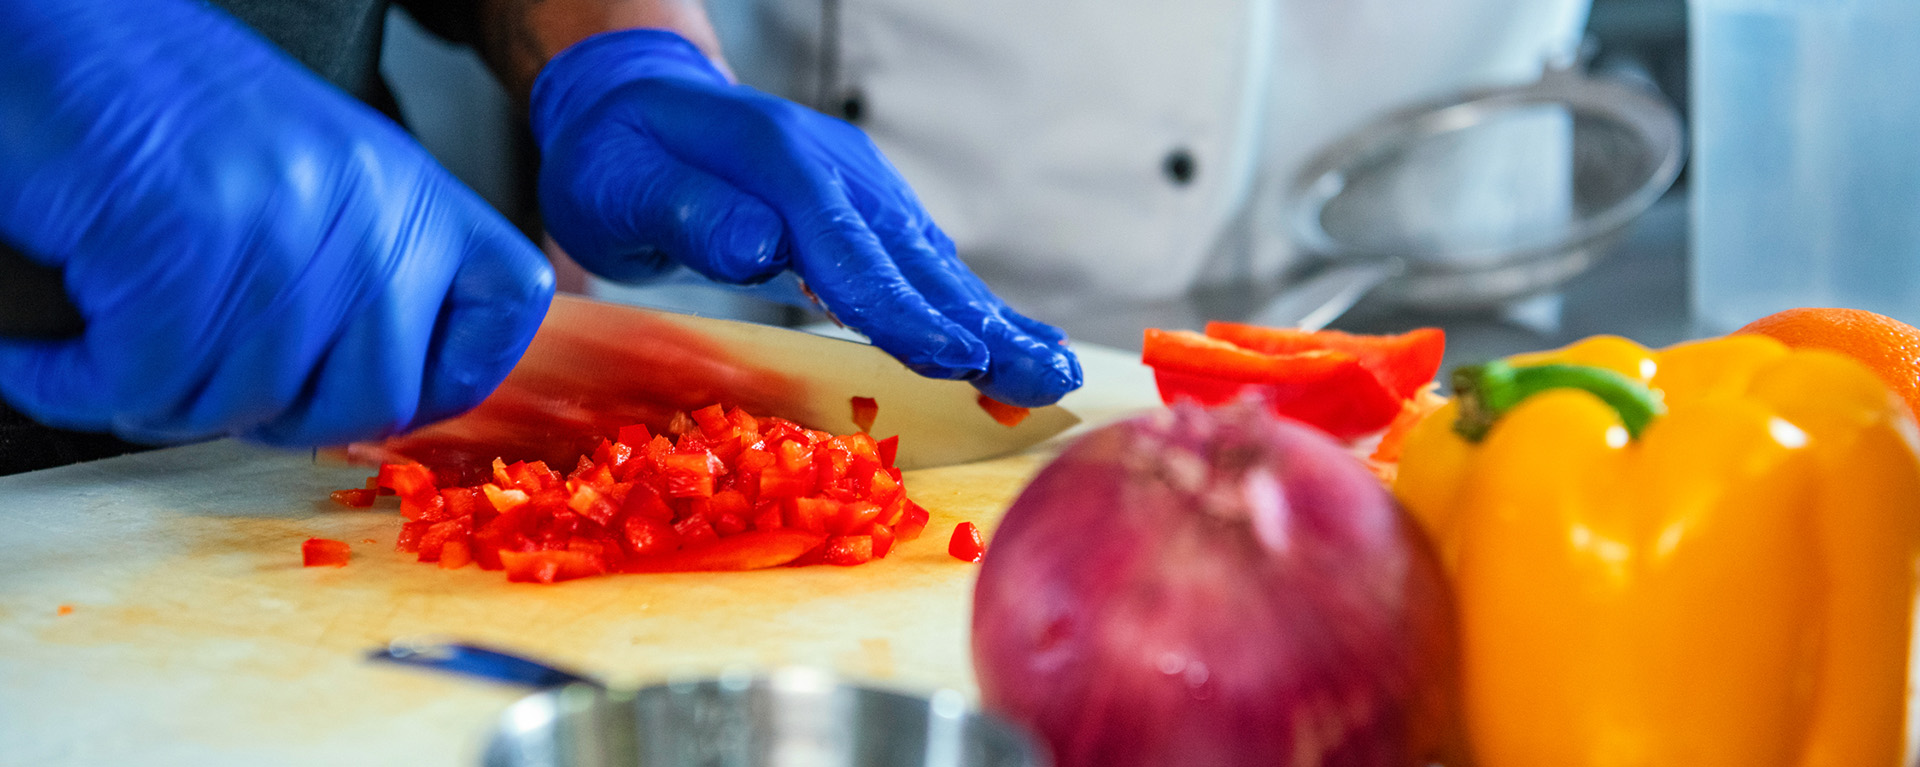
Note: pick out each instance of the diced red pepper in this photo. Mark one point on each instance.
(778, 481)
(410, 533)
(634, 435)
(768, 516)
(644, 501)
(813, 515)
(751, 550)
(729, 524)
(645, 535)
(324, 552)
(728, 491)
(855, 517)
(690, 475)
(695, 530)
(966, 544)
(865, 409)
(550, 566)
(354, 498)
(847, 550)
(406, 479)
(455, 555)
(503, 499)
(713, 422)
(913, 520)
(588, 501)
(1008, 415)
(435, 539)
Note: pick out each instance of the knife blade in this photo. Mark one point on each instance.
(594, 367)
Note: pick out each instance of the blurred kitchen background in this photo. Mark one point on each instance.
(458, 111)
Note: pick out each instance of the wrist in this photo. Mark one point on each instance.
(580, 76)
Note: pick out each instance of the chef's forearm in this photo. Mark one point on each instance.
(517, 37)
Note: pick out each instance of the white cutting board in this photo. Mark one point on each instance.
(196, 637)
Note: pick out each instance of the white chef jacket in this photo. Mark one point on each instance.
(1090, 155)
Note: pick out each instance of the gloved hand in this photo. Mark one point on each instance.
(651, 158)
(253, 252)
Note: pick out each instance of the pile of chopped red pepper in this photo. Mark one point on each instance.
(729, 492)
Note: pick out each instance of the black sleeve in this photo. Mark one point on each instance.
(454, 20)
(33, 304)
(33, 299)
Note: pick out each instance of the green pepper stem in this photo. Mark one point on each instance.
(1486, 392)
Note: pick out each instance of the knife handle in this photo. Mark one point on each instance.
(479, 662)
(33, 300)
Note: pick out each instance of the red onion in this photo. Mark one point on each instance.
(1199, 588)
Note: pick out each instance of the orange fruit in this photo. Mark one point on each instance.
(1888, 346)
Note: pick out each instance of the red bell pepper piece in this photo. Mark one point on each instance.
(849, 550)
(354, 498)
(1327, 388)
(1403, 362)
(455, 555)
(865, 409)
(913, 520)
(1008, 415)
(324, 552)
(966, 544)
(406, 479)
(550, 566)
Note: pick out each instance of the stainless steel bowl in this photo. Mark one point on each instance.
(787, 718)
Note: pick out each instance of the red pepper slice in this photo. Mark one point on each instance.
(966, 544)
(324, 552)
(1327, 388)
(1403, 362)
(751, 550)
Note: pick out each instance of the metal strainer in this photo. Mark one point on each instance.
(1476, 201)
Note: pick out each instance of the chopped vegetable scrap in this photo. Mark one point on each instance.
(966, 544)
(729, 491)
(864, 411)
(1347, 385)
(354, 498)
(1008, 415)
(324, 552)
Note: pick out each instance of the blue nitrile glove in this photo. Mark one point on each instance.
(652, 158)
(253, 252)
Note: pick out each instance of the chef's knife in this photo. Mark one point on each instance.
(595, 366)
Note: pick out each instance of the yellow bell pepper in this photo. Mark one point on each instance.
(1730, 581)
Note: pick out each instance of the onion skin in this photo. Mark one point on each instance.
(1212, 588)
